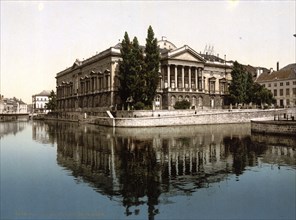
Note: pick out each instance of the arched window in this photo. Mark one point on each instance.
(193, 103)
(200, 101)
(180, 98)
(187, 98)
(212, 102)
(173, 100)
(157, 101)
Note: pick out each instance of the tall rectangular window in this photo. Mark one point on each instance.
(274, 92)
(287, 91)
(281, 92)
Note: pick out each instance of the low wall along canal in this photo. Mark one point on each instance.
(284, 124)
(169, 118)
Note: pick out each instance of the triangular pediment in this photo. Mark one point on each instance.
(186, 56)
(185, 53)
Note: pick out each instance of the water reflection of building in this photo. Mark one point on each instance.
(280, 150)
(7, 128)
(145, 166)
(42, 133)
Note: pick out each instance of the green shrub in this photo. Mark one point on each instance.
(139, 106)
(184, 104)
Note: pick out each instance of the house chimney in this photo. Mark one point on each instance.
(277, 66)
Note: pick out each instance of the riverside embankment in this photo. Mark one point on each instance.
(281, 124)
(163, 118)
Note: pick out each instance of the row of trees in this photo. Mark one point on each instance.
(243, 90)
(139, 73)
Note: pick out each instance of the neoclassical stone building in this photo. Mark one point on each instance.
(92, 85)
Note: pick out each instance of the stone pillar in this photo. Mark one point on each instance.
(176, 77)
(189, 72)
(195, 74)
(169, 76)
(202, 80)
(183, 77)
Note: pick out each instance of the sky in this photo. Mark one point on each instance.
(41, 38)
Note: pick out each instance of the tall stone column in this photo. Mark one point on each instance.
(195, 74)
(176, 77)
(202, 80)
(183, 77)
(169, 76)
(189, 72)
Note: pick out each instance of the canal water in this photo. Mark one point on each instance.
(59, 170)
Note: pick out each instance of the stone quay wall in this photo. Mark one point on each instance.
(198, 118)
(13, 116)
(274, 127)
(163, 118)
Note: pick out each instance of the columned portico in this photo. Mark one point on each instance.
(182, 78)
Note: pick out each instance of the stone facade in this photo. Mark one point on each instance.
(274, 127)
(92, 85)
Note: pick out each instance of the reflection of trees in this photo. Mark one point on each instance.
(139, 175)
(244, 152)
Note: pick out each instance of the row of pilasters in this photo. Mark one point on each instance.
(197, 81)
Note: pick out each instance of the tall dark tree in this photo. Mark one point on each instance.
(262, 95)
(131, 71)
(52, 101)
(124, 68)
(136, 72)
(237, 88)
(243, 90)
(139, 76)
(249, 88)
(152, 60)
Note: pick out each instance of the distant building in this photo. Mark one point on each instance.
(39, 101)
(2, 103)
(282, 84)
(92, 85)
(12, 105)
(22, 107)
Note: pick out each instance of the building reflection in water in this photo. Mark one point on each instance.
(44, 133)
(7, 128)
(136, 166)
